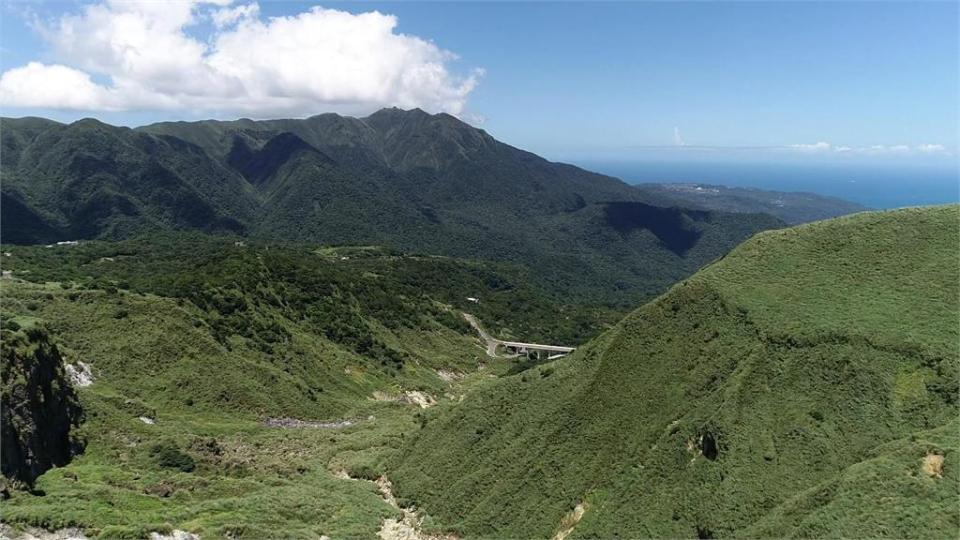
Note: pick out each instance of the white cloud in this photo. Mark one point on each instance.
(316, 61)
(815, 147)
(932, 149)
(873, 150)
(881, 149)
(677, 139)
(224, 17)
(66, 86)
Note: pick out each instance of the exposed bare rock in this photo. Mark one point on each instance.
(80, 374)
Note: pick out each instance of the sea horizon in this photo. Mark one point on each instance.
(872, 185)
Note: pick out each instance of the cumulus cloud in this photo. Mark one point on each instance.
(68, 87)
(315, 61)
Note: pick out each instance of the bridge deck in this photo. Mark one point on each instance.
(536, 346)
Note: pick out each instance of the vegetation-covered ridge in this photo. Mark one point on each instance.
(804, 385)
(235, 281)
(417, 182)
(230, 386)
(792, 207)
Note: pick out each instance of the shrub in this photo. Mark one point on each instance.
(169, 456)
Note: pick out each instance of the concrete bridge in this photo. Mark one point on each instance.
(516, 348)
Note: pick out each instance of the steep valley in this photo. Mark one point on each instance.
(234, 390)
(803, 385)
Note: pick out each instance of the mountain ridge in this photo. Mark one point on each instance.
(418, 182)
(733, 405)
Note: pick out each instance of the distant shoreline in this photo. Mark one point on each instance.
(869, 185)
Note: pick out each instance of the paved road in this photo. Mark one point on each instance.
(493, 343)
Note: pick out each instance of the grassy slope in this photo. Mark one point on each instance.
(209, 339)
(820, 360)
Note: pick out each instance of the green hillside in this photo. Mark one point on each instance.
(193, 342)
(420, 183)
(804, 385)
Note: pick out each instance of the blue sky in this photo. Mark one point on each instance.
(860, 80)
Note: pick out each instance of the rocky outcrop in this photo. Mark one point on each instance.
(39, 407)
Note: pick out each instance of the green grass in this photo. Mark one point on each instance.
(790, 389)
(249, 481)
(879, 276)
(165, 342)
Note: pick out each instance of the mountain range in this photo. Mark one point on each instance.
(417, 182)
(290, 328)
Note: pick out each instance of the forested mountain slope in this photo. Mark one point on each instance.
(417, 182)
(805, 385)
(792, 207)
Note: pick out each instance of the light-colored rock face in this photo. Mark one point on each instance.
(420, 399)
(570, 521)
(407, 528)
(412, 397)
(933, 465)
(80, 374)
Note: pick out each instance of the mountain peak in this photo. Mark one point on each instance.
(392, 115)
(416, 111)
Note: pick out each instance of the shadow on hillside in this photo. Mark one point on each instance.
(670, 225)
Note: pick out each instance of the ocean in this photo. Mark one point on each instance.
(870, 185)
